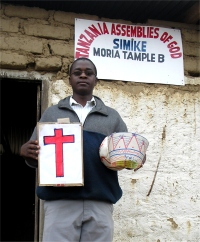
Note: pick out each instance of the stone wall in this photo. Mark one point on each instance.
(160, 201)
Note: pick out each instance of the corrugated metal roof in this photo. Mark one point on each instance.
(184, 11)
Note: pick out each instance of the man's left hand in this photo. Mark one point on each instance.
(143, 161)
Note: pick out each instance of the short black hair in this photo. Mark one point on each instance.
(82, 58)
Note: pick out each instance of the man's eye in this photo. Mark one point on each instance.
(77, 73)
(89, 73)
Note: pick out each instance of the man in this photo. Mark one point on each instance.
(81, 213)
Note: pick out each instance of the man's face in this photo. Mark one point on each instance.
(83, 78)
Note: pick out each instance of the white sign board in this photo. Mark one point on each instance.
(134, 53)
(61, 156)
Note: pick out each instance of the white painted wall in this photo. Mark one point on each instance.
(161, 201)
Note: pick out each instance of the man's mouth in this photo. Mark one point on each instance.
(82, 83)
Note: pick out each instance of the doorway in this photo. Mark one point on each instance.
(19, 111)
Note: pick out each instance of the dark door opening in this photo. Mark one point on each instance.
(18, 119)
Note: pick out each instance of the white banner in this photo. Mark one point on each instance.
(134, 53)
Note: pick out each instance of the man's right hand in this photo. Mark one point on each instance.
(30, 151)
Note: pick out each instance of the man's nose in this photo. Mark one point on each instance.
(83, 74)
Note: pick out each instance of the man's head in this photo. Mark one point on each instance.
(83, 76)
(82, 58)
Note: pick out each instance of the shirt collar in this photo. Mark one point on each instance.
(72, 101)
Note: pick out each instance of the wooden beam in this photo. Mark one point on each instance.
(192, 15)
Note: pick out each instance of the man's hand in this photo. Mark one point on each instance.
(141, 164)
(30, 151)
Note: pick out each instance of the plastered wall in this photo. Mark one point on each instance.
(161, 201)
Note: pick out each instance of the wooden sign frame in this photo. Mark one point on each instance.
(60, 161)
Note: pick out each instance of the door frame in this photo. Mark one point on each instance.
(43, 83)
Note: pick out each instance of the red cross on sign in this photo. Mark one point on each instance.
(58, 140)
